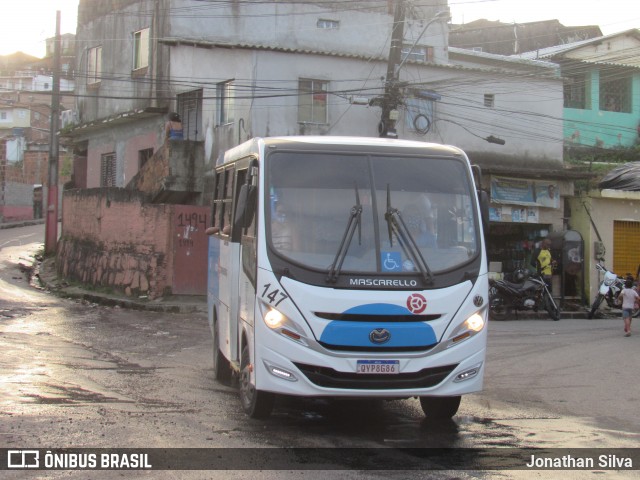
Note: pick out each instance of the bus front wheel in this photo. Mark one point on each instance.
(255, 403)
(440, 408)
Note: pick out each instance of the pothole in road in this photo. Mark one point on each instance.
(57, 395)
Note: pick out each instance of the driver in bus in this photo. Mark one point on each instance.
(419, 219)
(282, 232)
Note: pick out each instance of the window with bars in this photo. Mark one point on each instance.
(312, 101)
(419, 53)
(489, 100)
(327, 24)
(615, 92)
(141, 49)
(108, 170)
(225, 102)
(94, 65)
(190, 110)
(576, 92)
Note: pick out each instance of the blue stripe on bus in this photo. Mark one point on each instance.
(356, 334)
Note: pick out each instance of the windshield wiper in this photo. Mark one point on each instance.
(354, 221)
(395, 224)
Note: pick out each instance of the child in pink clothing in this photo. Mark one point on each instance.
(628, 297)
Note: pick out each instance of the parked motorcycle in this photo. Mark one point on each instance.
(609, 290)
(530, 292)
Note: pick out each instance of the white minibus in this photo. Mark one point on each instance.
(348, 267)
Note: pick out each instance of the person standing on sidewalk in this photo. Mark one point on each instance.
(544, 261)
(628, 297)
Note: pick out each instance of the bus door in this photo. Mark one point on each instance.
(244, 236)
(223, 265)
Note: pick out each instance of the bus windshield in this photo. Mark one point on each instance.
(387, 214)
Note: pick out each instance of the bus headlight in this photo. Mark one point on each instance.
(467, 329)
(280, 323)
(274, 319)
(475, 322)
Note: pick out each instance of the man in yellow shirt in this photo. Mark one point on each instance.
(545, 262)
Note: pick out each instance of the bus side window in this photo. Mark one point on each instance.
(222, 202)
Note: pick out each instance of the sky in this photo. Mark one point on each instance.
(26, 24)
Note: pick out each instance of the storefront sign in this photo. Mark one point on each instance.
(515, 191)
(513, 214)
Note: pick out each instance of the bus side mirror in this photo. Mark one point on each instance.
(246, 206)
(484, 210)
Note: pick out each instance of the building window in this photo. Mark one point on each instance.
(190, 110)
(94, 65)
(417, 53)
(141, 49)
(325, 24)
(108, 170)
(224, 96)
(575, 91)
(144, 156)
(615, 92)
(489, 100)
(312, 101)
(3, 115)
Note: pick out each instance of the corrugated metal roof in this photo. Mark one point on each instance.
(504, 61)
(559, 50)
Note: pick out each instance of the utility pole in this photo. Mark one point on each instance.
(51, 226)
(391, 100)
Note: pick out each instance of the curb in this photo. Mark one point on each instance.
(23, 223)
(45, 275)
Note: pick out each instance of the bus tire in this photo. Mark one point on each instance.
(255, 403)
(440, 408)
(221, 366)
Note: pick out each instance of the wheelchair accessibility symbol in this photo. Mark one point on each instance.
(391, 262)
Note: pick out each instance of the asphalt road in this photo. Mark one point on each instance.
(75, 374)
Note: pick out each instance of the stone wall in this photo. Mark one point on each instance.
(110, 238)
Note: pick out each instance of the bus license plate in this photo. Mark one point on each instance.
(385, 367)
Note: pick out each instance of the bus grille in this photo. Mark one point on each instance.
(351, 348)
(359, 317)
(330, 378)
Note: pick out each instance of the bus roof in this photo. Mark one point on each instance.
(254, 145)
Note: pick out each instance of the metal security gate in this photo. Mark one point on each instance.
(626, 247)
(190, 246)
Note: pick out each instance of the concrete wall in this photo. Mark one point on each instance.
(111, 239)
(605, 208)
(125, 141)
(593, 126)
(528, 117)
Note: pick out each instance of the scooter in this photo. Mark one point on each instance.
(609, 290)
(530, 292)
